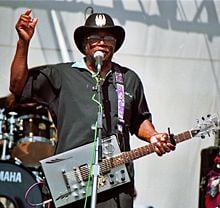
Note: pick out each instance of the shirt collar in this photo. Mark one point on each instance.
(82, 65)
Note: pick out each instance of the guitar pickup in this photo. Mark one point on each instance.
(65, 178)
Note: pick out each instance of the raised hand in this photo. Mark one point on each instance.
(25, 26)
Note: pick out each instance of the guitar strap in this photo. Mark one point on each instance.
(121, 101)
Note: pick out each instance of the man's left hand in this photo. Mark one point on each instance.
(162, 143)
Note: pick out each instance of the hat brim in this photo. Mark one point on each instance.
(82, 32)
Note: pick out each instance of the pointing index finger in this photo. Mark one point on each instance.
(28, 12)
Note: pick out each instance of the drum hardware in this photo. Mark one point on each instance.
(2, 118)
(7, 138)
(2, 138)
(12, 122)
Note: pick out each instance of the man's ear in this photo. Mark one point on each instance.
(85, 46)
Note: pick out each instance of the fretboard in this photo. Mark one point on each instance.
(107, 164)
(125, 157)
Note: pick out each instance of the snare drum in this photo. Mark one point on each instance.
(15, 180)
(34, 140)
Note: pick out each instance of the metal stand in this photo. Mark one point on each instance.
(2, 136)
(98, 146)
(8, 138)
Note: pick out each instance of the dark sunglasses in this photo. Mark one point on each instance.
(95, 38)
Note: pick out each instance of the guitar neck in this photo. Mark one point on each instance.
(125, 157)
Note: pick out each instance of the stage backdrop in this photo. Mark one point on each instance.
(174, 46)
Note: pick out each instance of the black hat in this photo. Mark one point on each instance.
(95, 22)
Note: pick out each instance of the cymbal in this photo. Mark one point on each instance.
(27, 105)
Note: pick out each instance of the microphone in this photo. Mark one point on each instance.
(98, 55)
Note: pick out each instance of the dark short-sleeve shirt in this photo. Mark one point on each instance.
(69, 94)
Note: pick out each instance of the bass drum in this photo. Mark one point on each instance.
(15, 180)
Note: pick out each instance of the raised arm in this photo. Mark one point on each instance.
(19, 68)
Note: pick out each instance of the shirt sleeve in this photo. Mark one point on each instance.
(43, 84)
(139, 110)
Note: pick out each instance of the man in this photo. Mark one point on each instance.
(67, 89)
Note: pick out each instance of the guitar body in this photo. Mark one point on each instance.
(67, 173)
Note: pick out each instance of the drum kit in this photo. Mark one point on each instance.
(24, 141)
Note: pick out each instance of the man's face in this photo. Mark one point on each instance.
(100, 41)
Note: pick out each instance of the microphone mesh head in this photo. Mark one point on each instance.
(98, 53)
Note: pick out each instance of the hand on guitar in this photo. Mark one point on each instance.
(162, 143)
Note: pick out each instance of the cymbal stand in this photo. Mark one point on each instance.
(12, 122)
(2, 118)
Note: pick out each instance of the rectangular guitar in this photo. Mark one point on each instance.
(67, 173)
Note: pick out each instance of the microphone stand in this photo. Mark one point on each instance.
(98, 146)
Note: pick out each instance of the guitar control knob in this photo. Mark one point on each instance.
(111, 180)
(76, 194)
(83, 184)
(75, 187)
(83, 192)
(122, 175)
